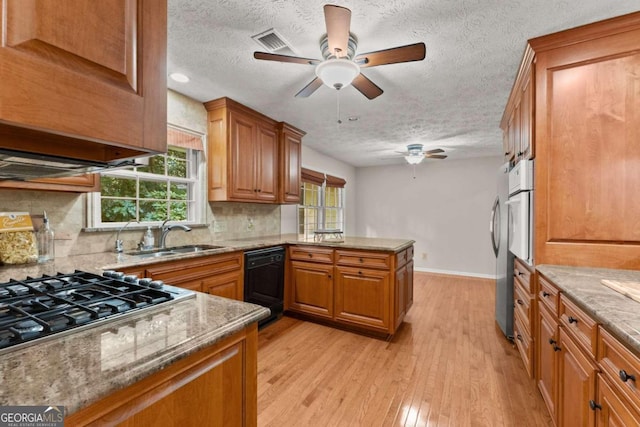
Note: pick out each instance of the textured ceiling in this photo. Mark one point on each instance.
(454, 99)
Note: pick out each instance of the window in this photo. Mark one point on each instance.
(322, 203)
(167, 188)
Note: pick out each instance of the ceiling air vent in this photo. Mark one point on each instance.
(273, 42)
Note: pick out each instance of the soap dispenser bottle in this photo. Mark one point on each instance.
(44, 237)
(148, 240)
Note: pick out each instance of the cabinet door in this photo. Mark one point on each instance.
(266, 163)
(312, 288)
(86, 70)
(362, 297)
(614, 410)
(526, 119)
(513, 133)
(547, 358)
(228, 285)
(243, 133)
(408, 300)
(400, 294)
(587, 128)
(576, 384)
(290, 162)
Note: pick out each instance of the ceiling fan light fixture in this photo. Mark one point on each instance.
(337, 73)
(412, 159)
(414, 154)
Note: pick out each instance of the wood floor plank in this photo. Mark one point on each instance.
(448, 365)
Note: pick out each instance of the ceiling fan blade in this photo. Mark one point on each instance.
(285, 58)
(408, 53)
(435, 150)
(310, 88)
(338, 21)
(366, 86)
(435, 156)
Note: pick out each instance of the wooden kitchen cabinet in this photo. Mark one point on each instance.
(612, 410)
(362, 297)
(251, 157)
(547, 359)
(312, 289)
(289, 177)
(363, 290)
(216, 386)
(82, 79)
(221, 275)
(75, 184)
(525, 309)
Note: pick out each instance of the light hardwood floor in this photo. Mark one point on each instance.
(448, 365)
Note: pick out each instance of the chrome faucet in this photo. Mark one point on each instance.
(165, 229)
(118, 240)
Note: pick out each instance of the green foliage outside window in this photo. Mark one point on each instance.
(152, 197)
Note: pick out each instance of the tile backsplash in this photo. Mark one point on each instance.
(67, 214)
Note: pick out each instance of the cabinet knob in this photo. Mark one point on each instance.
(626, 377)
(310, 255)
(552, 341)
(360, 273)
(519, 337)
(329, 276)
(556, 348)
(545, 294)
(519, 301)
(520, 273)
(361, 260)
(572, 319)
(593, 405)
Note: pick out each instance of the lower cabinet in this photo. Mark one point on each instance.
(612, 409)
(547, 358)
(576, 384)
(216, 386)
(312, 288)
(362, 297)
(366, 290)
(221, 275)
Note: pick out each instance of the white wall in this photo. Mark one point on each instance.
(312, 159)
(445, 209)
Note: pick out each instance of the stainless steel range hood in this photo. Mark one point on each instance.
(22, 166)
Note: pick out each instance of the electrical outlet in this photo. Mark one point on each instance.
(424, 256)
(250, 225)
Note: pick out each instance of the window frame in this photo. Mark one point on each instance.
(321, 210)
(195, 192)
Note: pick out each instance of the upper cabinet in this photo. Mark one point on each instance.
(517, 120)
(84, 79)
(289, 180)
(585, 129)
(251, 158)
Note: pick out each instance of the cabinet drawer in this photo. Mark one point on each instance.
(401, 258)
(619, 365)
(363, 259)
(523, 342)
(579, 324)
(522, 301)
(311, 253)
(522, 272)
(548, 295)
(409, 253)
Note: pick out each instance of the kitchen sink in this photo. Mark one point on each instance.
(175, 250)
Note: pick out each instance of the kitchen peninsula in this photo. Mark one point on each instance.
(136, 365)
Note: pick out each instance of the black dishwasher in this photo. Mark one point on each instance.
(264, 280)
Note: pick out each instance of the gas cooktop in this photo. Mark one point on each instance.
(37, 308)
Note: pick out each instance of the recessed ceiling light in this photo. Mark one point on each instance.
(179, 77)
(353, 118)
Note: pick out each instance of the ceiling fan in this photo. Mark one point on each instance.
(415, 154)
(341, 66)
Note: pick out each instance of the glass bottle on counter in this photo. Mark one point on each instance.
(45, 238)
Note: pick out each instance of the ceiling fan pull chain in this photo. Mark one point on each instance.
(338, 99)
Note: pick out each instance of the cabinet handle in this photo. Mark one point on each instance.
(310, 255)
(545, 294)
(506, 153)
(552, 341)
(519, 301)
(626, 377)
(556, 348)
(519, 337)
(593, 405)
(572, 319)
(329, 276)
(259, 190)
(360, 273)
(361, 260)
(520, 273)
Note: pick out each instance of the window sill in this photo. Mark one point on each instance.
(134, 227)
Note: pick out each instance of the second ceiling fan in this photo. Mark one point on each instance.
(341, 66)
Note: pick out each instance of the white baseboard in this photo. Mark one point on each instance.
(455, 273)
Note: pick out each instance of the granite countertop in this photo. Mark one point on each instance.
(618, 314)
(78, 368)
(97, 262)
